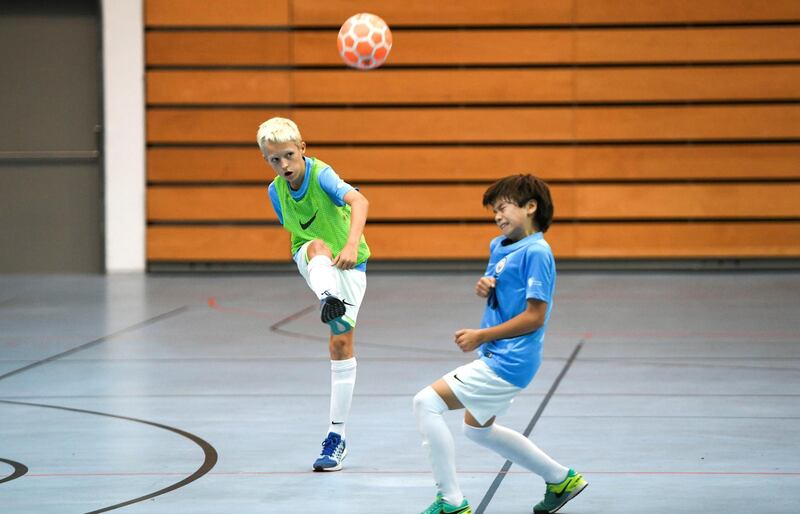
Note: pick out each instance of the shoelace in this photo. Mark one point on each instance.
(329, 446)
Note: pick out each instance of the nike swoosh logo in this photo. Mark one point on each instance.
(456, 377)
(309, 222)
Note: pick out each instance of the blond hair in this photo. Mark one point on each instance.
(278, 130)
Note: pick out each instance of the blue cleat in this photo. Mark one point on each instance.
(333, 453)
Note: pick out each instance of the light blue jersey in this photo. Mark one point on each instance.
(523, 270)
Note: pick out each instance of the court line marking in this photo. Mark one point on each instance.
(214, 304)
(95, 342)
(19, 470)
(209, 452)
(504, 470)
(420, 472)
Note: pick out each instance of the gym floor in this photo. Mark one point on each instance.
(165, 394)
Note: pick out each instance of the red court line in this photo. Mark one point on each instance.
(420, 472)
(213, 304)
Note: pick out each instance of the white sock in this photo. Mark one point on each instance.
(437, 439)
(518, 449)
(343, 380)
(322, 275)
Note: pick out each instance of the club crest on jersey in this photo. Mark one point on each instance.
(500, 266)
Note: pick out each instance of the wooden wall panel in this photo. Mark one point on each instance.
(484, 124)
(700, 45)
(679, 201)
(471, 241)
(312, 13)
(204, 48)
(218, 244)
(463, 202)
(588, 46)
(667, 129)
(471, 86)
(686, 240)
(481, 47)
(191, 13)
(469, 163)
(419, 12)
(680, 11)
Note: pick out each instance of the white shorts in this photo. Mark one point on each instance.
(352, 284)
(480, 390)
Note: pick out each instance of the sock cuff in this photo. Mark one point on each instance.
(344, 365)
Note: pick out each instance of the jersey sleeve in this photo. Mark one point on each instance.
(276, 203)
(539, 272)
(334, 186)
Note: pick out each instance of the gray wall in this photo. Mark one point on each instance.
(50, 106)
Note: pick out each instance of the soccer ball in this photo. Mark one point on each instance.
(364, 41)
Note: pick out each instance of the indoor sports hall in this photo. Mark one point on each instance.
(161, 354)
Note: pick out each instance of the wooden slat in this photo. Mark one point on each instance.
(699, 83)
(219, 48)
(473, 86)
(215, 244)
(483, 125)
(420, 12)
(519, 46)
(688, 45)
(365, 125)
(678, 201)
(465, 12)
(219, 87)
(685, 240)
(470, 241)
(190, 13)
(364, 164)
(251, 203)
(345, 87)
(513, 46)
(678, 11)
(464, 202)
(688, 123)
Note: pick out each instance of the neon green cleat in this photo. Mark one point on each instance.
(558, 494)
(439, 506)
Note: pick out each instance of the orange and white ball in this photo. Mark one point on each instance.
(364, 41)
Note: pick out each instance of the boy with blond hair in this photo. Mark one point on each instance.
(326, 217)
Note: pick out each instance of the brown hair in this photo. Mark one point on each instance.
(521, 189)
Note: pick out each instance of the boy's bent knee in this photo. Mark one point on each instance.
(428, 400)
(318, 247)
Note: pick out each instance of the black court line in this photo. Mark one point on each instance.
(209, 461)
(19, 470)
(97, 341)
(504, 470)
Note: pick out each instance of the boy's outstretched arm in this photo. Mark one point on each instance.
(527, 321)
(359, 205)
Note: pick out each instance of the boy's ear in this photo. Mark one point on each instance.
(303, 147)
(532, 206)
